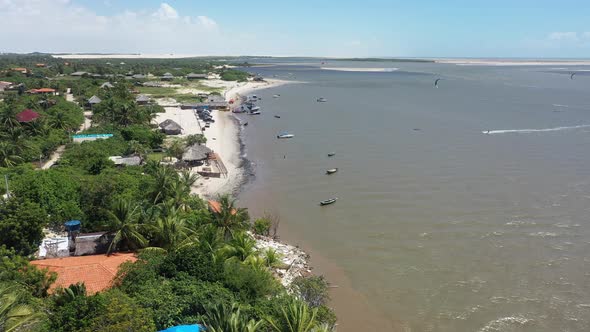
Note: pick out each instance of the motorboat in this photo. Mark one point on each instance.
(277, 116)
(285, 135)
(332, 171)
(331, 154)
(328, 201)
(322, 100)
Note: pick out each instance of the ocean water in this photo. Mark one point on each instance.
(461, 208)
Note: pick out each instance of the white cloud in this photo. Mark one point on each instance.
(166, 12)
(207, 22)
(63, 26)
(565, 36)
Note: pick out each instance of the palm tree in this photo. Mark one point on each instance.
(8, 117)
(124, 226)
(172, 232)
(241, 247)
(65, 295)
(59, 121)
(8, 155)
(296, 317)
(272, 258)
(222, 318)
(229, 218)
(175, 149)
(164, 177)
(195, 139)
(15, 312)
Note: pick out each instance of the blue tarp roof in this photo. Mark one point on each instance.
(184, 328)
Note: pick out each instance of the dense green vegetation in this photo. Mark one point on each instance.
(194, 265)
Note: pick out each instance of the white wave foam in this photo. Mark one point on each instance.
(560, 105)
(369, 70)
(501, 324)
(530, 131)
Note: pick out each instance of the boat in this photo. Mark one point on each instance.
(254, 113)
(285, 135)
(328, 201)
(245, 124)
(254, 108)
(277, 116)
(322, 100)
(276, 96)
(331, 154)
(332, 171)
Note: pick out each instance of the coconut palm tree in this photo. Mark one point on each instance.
(295, 317)
(124, 226)
(8, 155)
(164, 177)
(8, 117)
(195, 139)
(241, 247)
(171, 232)
(223, 318)
(15, 313)
(59, 121)
(230, 218)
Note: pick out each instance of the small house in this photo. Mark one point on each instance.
(93, 101)
(169, 127)
(42, 91)
(5, 85)
(126, 161)
(142, 100)
(195, 154)
(167, 77)
(79, 73)
(107, 85)
(21, 70)
(193, 76)
(139, 76)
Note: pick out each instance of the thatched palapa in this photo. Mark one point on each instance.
(196, 153)
(169, 127)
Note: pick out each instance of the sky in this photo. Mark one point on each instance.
(328, 28)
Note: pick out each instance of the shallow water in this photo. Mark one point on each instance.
(442, 226)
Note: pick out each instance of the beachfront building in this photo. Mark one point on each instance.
(169, 127)
(94, 100)
(193, 76)
(167, 77)
(21, 70)
(5, 85)
(27, 115)
(142, 100)
(196, 154)
(96, 271)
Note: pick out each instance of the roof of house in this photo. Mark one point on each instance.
(79, 73)
(167, 74)
(168, 122)
(193, 75)
(128, 161)
(107, 85)
(196, 152)
(42, 90)
(27, 116)
(142, 98)
(94, 100)
(215, 206)
(138, 76)
(96, 272)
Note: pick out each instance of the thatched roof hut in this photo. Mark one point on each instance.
(169, 127)
(196, 153)
(142, 99)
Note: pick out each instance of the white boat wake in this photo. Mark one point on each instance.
(530, 131)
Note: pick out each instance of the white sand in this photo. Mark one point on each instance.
(368, 70)
(486, 62)
(185, 118)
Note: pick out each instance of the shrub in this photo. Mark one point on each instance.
(262, 226)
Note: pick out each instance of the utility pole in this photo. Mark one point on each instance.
(6, 181)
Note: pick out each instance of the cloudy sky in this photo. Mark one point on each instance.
(409, 28)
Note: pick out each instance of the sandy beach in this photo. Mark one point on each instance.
(223, 135)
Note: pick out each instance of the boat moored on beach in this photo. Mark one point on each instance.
(332, 171)
(328, 201)
(331, 154)
(277, 116)
(285, 135)
(322, 100)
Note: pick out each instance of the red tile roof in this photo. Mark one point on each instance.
(215, 207)
(27, 116)
(96, 272)
(42, 90)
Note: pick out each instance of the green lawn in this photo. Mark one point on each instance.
(157, 156)
(156, 91)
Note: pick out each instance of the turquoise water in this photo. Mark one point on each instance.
(442, 226)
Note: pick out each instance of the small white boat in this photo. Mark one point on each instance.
(332, 171)
(276, 96)
(285, 135)
(254, 113)
(322, 100)
(328, 201)
(331, 154)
